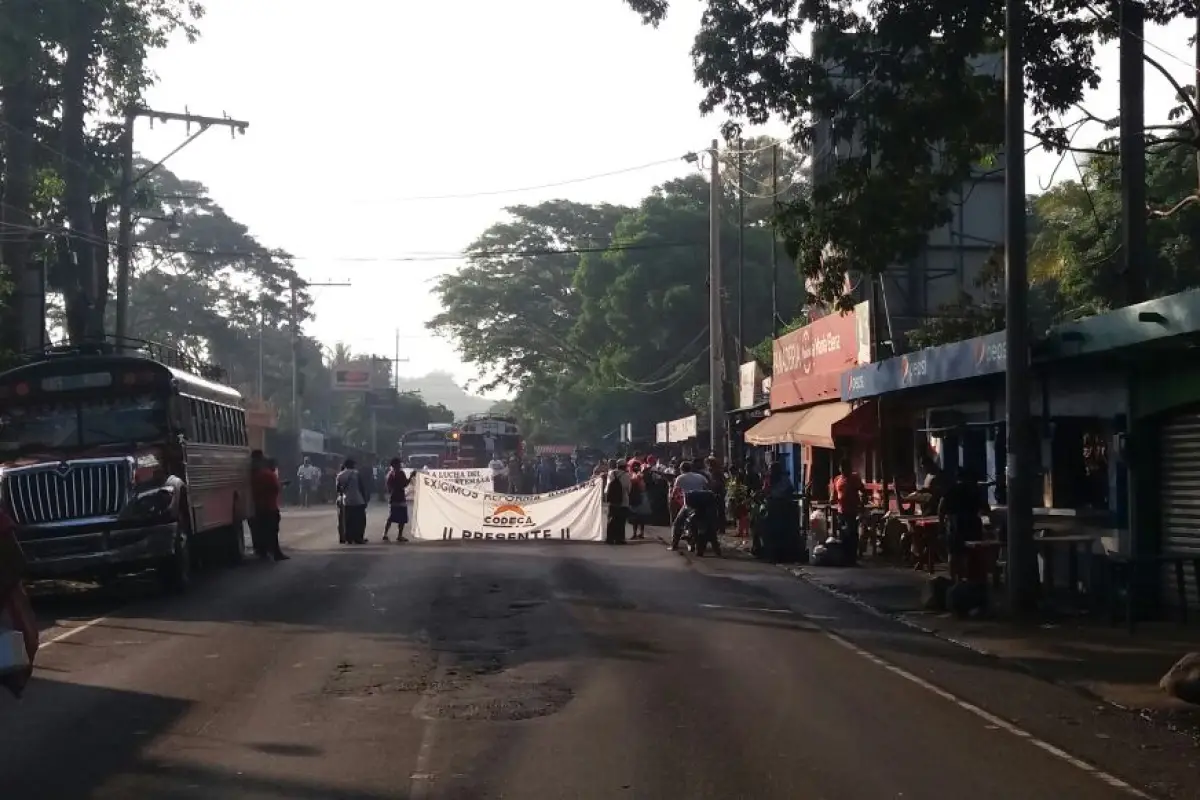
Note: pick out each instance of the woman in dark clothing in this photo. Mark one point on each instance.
(961, 511)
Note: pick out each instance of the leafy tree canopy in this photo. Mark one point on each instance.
(904, 80)
(607, 323)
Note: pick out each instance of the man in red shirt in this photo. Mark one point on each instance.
(265, 489)
(849, 494)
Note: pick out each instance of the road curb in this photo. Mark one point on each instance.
(1016, 663)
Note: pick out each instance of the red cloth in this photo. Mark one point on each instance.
(264, 485)
(15, 606)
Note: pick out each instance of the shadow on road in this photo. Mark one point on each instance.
(108, 730)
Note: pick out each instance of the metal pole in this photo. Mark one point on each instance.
(125, 231)
(774, 242)
(1022, 580)
(741, 250)
(261, 324)
(716, 369)
(1133, 149)
(293, 315)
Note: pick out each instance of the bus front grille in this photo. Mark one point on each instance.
(59, 493)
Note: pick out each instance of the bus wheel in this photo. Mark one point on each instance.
(233, 543)
(175, 571)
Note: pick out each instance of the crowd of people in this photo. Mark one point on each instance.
(515, 474)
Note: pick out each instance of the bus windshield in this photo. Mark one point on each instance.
(83, 424)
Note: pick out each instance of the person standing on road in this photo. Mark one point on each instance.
(499, 470)
(309, 475)
(617, 494)
(640, 509)
(353, 494)
(848, 496)
(397, 489)
(265, 489)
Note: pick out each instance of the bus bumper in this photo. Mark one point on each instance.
(92, 552)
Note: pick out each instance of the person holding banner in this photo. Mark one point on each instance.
(397, 489)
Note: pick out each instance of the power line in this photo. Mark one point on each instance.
(520, 189)
(416, 258)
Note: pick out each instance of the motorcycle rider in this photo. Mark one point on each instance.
(692, 486)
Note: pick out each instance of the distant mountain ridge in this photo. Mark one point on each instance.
(441, 387)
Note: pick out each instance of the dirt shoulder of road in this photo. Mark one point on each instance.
(1105, 662)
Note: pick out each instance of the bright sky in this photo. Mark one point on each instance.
(356, 115)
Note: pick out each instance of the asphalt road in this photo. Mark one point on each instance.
(538, 672)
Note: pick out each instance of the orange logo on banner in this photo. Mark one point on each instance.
(508, 515)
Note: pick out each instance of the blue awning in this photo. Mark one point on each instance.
(973, 358)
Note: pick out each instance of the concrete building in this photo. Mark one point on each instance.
(949, 265)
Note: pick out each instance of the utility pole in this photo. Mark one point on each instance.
(774, 241)
(396, 362)
(262, 322)
(1022, 578)
(1133, 148)
(716, 369)
(741, 250)
(129, 181)
(294, 325)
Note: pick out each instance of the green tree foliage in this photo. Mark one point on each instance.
(606, 323)
(68, 69)
(901, 79)
(1077, 246)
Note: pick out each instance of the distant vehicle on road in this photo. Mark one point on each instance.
(429, 449)
(482, 435)
(115, 459)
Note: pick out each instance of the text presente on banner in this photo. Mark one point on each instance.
(448, 511)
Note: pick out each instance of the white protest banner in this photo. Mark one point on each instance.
(449, 511)
(478, 478)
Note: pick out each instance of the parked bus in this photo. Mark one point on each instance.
(112, 461)
(482, 435)
(429, 449)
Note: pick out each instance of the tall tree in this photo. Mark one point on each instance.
(632, 334)
(512, 307)
(916, 86)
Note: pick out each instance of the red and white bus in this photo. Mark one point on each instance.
(114, 461)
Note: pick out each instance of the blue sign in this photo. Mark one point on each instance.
(983, 355)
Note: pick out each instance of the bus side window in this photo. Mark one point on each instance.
(206, 423)
(218, 424)
(230, 429)
(193, 429)
(179, 415)
(239, 417)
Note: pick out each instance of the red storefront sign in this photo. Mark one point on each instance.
(809, 362)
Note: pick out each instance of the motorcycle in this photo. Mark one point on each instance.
(700, 530)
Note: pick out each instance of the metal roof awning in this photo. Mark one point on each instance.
(812, 426)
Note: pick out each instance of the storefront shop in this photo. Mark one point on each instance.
(809, 424)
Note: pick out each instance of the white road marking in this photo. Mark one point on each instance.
(748, 608)
(991, 719)
(69, 632)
